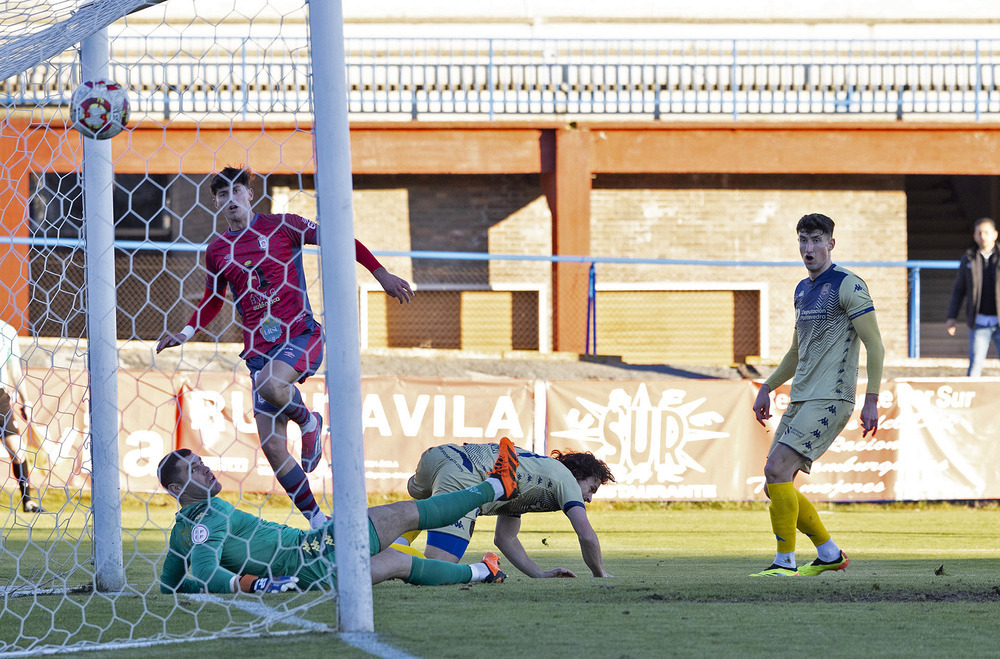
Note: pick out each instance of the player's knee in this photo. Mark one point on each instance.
(276, 452)
(403, 514)
(779, 469)
(775, 474)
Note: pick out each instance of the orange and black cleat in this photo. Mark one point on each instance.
(505, 469)
(492, 562)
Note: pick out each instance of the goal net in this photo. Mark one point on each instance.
(210, 84)
(33, 31)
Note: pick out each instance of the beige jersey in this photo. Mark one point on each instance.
(828, 344)
(545, 485)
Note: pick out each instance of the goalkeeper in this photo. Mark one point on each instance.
(216, 548)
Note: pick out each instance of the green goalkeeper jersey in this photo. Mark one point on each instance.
(212, 544)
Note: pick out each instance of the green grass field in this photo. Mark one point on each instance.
(923, 581)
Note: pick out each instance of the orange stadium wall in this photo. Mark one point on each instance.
(646, 189)
(664, 440)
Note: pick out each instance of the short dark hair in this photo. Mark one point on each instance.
(583, 465)
(231, 176)
(169, 469)
(984, 220)
(815, 222)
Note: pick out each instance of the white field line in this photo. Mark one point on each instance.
(369, 643)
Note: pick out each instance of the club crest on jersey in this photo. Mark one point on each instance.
(262, 242)
(199, 534)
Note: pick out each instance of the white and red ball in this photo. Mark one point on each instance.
(99, 109)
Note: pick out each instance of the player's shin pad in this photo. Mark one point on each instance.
(445, 509)
(784, 510)
(428, 572)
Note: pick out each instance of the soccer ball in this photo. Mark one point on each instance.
(99, 109)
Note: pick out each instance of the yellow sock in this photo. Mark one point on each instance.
(407, 549)
(784, 510)
(809, 522)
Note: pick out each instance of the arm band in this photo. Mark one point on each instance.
(187, 332)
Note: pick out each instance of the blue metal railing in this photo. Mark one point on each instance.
(496, 78)
(913, 269)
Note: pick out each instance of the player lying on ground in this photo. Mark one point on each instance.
(216, 548)
(259, 258)
(563, 482)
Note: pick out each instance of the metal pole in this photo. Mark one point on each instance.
(591, 346)
(340, 304)
(102, 348)
(914, 312)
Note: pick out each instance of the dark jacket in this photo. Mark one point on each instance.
(969, 285)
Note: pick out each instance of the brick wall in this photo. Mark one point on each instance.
(752, 218)
(717, 217)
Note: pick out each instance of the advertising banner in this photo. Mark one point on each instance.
(59, 434)
(670, 440)
(663, 439)
(403, 417)
(217, 422)
(950, 440)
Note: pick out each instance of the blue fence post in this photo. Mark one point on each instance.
(914, 277)
(591, 347)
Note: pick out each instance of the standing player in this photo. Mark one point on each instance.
(563, 482)
(216, 548)
(12, 382)
(259, 258)
(833, 310)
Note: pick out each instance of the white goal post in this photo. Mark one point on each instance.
(105, 241)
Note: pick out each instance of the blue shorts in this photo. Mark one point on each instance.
(304, 353)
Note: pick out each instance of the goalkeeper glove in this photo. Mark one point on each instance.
(251, 584)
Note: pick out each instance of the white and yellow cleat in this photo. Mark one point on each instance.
(776, 570)
(818, 567)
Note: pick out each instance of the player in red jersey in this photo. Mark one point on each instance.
(259, 258)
